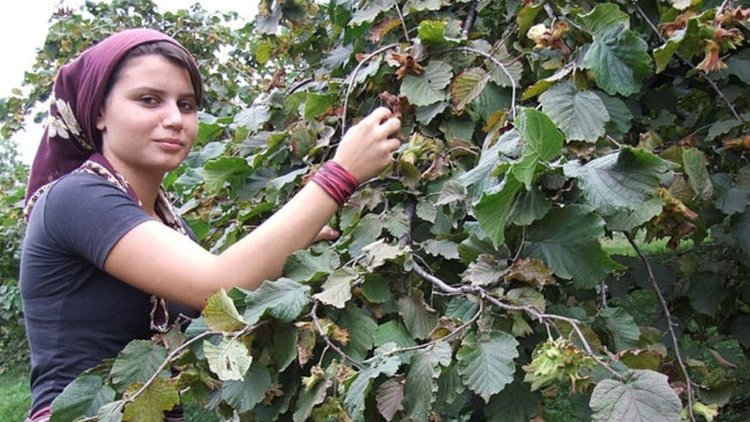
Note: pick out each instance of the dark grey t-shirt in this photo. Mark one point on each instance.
(76, 314)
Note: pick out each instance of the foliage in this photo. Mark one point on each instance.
(12, 188)
(471, 277)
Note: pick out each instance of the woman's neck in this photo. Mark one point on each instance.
(146, 184)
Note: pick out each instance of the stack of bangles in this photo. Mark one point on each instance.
(336, 181)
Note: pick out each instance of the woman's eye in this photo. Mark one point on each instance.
(187, 106)
(149, 101)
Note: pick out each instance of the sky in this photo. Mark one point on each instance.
(23, 28)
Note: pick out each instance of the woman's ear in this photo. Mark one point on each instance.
(100, 122)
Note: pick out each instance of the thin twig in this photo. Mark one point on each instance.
(176, 352)
(354, 76)
(502, 67)
(329, 342)
(670, 322)
(471, 17)
(403, 23)
(452, 334)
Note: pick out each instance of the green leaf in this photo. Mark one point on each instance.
(420, 5)
(359, 388)
(378, 253)
(622, 328)
(730, 198)
(492, 209)
(246, 394)
(524, 169)
(284, 349)
(377, 289)
(685, 36)
(425, 114)
(390, 398)
(603, 17)
(225, 170)
(444, 248)
(229, 360)
(581, 115)
(136, 363)
(695, 164)
(311, 264)
(369, 11)
(111, 412)
(486, 364)
(525, 17)
(83, 397)
(486, 270)
(361, 329)
(516, 403)
(619, 60)
(567, 240)
(421, 386)
(419, 318)
(467, 86)
(283, 299)
(368, 230)
(159, 397)
(393, 332)
(432, 32)
(739, 65)
(706, 292)
(462, 309)
(529, 206)
(619, 115)
(540, 134)
(220, 314)
(619, 181)
(643, 396)
(429, 87)
(317, 104)
(253, 118)
(337, 290)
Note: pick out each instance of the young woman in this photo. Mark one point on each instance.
(106, 258)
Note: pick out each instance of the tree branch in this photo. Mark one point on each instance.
(502, 67)
(354, 76)
(670, 322)
(329, 342)
(403, 23)
(471, 16)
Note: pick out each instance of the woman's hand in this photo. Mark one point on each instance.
(326, 233)
(367, 147)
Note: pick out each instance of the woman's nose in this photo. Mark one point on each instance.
(172, 115)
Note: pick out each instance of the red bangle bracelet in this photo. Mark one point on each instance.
(336, 181)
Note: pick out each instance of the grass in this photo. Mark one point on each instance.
(15, 397)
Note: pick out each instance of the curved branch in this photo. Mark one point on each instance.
(502, 67)
(329, 342)
(353, 76)
(670, 322)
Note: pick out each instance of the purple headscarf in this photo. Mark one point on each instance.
(71, 137)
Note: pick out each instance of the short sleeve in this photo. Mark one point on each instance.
(86, 215)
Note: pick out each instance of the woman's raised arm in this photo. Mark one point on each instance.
(158, 260)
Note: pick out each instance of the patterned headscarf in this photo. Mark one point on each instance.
(72, 143)
(71, 137)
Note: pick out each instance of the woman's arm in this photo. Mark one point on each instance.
(159, 260)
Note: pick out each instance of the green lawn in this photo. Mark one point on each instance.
(15, 397)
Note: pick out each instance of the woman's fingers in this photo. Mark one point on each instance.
(378, 115)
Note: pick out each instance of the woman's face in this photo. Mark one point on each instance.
(149, 120)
